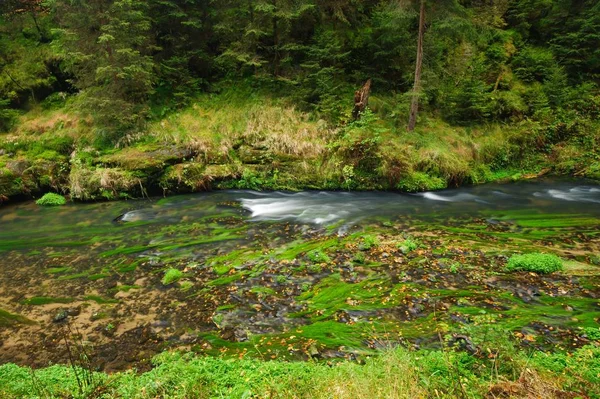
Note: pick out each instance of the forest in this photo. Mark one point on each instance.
(506, 89)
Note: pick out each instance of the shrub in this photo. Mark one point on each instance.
(172, 276)
(535, 262)
(317, 256)
(51, 199)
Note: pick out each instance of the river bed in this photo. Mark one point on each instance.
(321, 275)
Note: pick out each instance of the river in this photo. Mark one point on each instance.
(294, 275)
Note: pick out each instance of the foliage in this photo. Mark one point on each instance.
(258, 95)
(535, 262)
(418, 181)
(408, 245)
(51, 199)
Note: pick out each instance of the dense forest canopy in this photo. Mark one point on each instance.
(129, 60)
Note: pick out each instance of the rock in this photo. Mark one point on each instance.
(313, 351)
(240, 335)
(73, 312)
(61, 316)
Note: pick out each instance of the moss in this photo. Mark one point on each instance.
(317, 256)
(185, 177)
(8, 319)
(46, 300)
(418, 181)
(172, 276)
(58, 270)
(100, 300)
(535, 262)
(51, 199)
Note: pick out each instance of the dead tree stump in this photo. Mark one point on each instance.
(361, 100)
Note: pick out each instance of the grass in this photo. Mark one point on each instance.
(395, 374)
(246, 138)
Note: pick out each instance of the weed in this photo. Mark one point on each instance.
(408, 245)
(368, 242)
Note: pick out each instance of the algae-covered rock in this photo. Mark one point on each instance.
(87, 182)
(149, 159)
(185, 177)
(253, 156)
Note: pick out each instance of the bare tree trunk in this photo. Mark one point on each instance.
(414, 104)
(361, 100)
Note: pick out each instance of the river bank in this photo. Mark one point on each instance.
(245, 140)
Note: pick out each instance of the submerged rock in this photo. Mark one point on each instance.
(61, 316)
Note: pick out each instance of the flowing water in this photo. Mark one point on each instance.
(294, 275)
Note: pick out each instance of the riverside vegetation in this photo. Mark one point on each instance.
(112, 99)
(193, 297)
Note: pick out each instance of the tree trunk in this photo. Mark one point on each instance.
(275, 40)
(414, 104)
(361, 100)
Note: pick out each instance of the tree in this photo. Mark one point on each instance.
(33, 8)
(108, 44)
(414, 104)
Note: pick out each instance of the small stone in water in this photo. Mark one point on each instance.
(62, 315)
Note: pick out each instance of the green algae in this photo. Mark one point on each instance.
(58, 270)
(37, 301)
(9, 319)
(100, 300)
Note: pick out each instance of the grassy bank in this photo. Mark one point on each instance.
(244, 138)
(398, 373)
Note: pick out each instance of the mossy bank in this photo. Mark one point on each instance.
(244, 138)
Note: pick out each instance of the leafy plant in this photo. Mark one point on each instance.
(535, 262)
(592, 333)
(359, 258)
(51, 199)
(418, 181)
